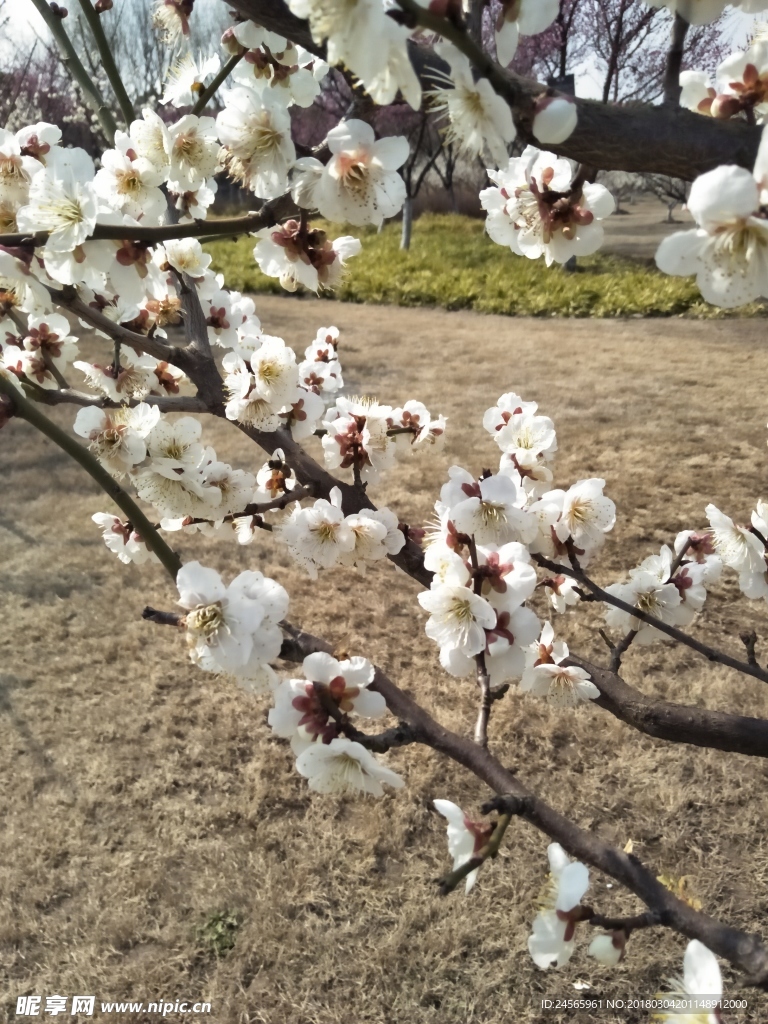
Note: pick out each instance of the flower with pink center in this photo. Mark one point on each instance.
(562, 686)
(121, 538)
(466, 838)
(537, 208)
(301, 711)
(360, 183)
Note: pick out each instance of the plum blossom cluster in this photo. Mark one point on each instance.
(313, 713)
(480, 550)
(538, 205)
(232, 630)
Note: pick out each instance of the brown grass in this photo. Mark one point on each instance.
(141, 797)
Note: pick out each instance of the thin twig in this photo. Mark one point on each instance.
(210, 90)
(108, 61)
(76, 69)
(674, 61)
(28, 411)
(711, 653)
(620, 648)
(490, 850)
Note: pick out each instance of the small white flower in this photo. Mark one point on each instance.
(737, 546)
(186, 79)
(562, 686)
(555, 119)
(318, 536)
(343, 766)
(478, 116)
(62, 200)
(458, 618)
(554, 926)
(117, 436)
(465, 837)
(360, 183)
(255, 130)
(192, 150)
(123, 540)
(702, 979)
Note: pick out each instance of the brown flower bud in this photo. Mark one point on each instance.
(103, 5)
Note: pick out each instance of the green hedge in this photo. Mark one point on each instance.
(452, 263)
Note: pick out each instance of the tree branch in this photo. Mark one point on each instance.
(108, 61)
(675, 61)
(74, 66)
(269, 215)
(711, 653)
(27, 410)
(677, 723)
(744, 950)
(210, 91)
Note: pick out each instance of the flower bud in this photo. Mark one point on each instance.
(59, 12)
(608, 948)
(555, 119)
(724, 107)
(102, 6)
(230, 44)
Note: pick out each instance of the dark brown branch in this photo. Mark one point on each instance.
(744, 950)
(677, 723)
(620, 649)
(267, 217)
(710, 653)
(162, 618)
(650, 919)
(166, 403)
(642, 138)
(675, 61)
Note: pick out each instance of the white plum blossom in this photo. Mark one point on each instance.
(150, 139)
(232, 629)
(586, 516)
(62, 200)
(647, 592)
(353, 30)
(701, 979)
(465, 837)
(562, 592)
(117, 436)
(300, 256)
(358, 434)
(185, 255)
(608, 948)
(555, 119)
(255, 130)
(376, 535)
(552, 939)
(535, 208)
(172, 480)
(458, 618)
(521, 17)
(123, 540)
(562, 686)
(728, 248)
(192, 149)
(345, 766)
(186, 79)
(129, 183)
(488, 509)
(360, 183)
(478, 117)
(318, 536)
(736, 546)
(301, 716)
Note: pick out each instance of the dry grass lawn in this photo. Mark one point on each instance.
(141, 798)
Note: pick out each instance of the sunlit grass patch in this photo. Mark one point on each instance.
(452, 263)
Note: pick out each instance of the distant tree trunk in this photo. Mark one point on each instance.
(670, 207)
(405, 237)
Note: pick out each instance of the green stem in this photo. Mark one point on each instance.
(208, 93)
(75, 67)
(28, 411)
(108, 61)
